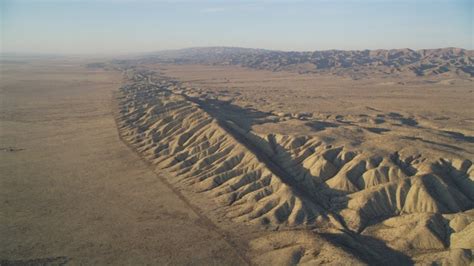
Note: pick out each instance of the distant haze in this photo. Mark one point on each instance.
(125, 26)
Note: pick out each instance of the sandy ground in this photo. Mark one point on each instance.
(71, 191)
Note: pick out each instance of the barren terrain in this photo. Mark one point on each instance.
(229, 164)
(379, 167)
(72, 192)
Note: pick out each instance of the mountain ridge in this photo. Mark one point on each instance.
(357, 63)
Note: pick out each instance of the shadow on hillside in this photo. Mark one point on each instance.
(459, 136)
(434, 143)
(369, 249)
(320, 125)
(245, 118)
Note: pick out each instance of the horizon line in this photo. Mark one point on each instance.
(130, 53)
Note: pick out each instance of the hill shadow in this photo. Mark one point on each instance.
(433, 143)
(321, 125)
(458, 136)
(368, 249)
(225, 110)
(377, 130)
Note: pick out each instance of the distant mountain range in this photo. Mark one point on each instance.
(426, 62)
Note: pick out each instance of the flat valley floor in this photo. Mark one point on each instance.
(71, 191)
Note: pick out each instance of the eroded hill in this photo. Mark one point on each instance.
(367, 205)
(363, 63)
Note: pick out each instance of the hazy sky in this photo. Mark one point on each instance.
(116, 26)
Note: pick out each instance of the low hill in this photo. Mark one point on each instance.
(360, 63)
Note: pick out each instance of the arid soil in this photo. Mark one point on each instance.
(199, 164)
(71, 192)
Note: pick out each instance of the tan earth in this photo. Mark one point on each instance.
(72, 192)
(228, 165)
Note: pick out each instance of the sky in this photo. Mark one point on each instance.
(128, 26)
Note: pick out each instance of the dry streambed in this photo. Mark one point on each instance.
(329, 204)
